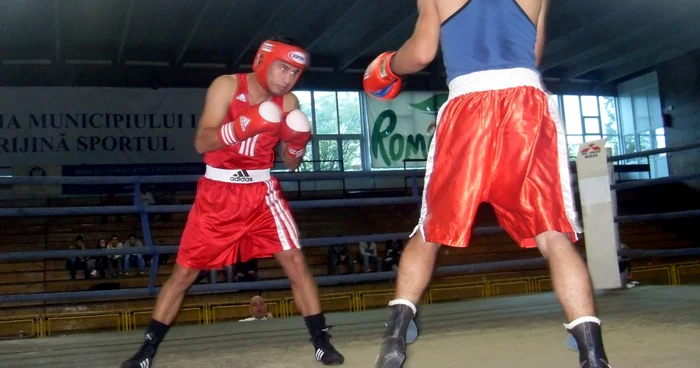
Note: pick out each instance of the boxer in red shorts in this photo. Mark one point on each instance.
(498, 140)
(239, 209)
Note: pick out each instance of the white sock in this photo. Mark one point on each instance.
(580, 320)
(404, 302)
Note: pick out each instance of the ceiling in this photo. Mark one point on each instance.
(188, 42)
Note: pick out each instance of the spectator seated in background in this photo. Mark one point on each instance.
(369, 252)
(258, 310)
(146, 196)
(340, 254)
(393, 254)
(247, 271)
(73, 264)
(115, 263)
(147, 199)
(132, 242)
(100, 264)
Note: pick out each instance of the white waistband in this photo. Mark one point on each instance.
(237, 176)
(491, 80)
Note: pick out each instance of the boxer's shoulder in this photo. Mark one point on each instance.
(290, 102)
(223, 87)
(226, 81)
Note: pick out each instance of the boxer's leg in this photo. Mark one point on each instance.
(533, 200)
(573, 287)
(173, 292)
(167, 306)
(304, 287)
(452, 193)
(203, 246)
(453, 190)
(273, 232)
(416, 268)
(570, 277)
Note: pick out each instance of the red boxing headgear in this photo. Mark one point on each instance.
(270, 51)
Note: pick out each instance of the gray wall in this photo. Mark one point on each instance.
(679, 82)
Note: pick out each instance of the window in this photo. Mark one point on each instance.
(352, 161)
(326, 109)
(307, 162)
(642, 125)
(587, 118)
(349, 113)
(305, 104)
(329, 154)
(337, 127)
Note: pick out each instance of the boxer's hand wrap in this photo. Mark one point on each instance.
(380, 81)
(296, 132)
(262, 118)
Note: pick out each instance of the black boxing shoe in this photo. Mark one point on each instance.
(325, 352)
(589, 340)
(144, 357)
(392, 353)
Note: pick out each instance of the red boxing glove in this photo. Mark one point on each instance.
(296, 132)
(263, 118)
(379, 81)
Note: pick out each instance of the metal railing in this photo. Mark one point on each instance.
(154, 250)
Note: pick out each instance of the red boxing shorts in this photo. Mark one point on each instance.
(499, 140)
(236, 212)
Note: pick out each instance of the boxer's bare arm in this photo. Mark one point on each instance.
(421, 48)
(541, 33)
(291, 102)
(216, 106)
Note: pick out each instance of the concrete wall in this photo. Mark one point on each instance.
(679, 82)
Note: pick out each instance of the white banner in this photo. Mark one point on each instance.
(75, 126)
(402, 129)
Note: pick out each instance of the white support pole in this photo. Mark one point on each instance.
(600, 230)
(613, 201)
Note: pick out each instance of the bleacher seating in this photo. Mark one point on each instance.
(31, 234)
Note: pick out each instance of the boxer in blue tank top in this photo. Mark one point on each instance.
(498, 139)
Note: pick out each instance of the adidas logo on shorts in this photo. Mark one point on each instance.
(241, 176)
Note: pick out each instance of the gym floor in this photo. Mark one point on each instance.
(647, 326)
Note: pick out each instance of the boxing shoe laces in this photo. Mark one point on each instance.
(325, 352)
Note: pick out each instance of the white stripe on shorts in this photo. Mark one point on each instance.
(286, 217)
(428, 171)
(282, 219)
(564, 175)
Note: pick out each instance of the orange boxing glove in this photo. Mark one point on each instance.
(379, 81)
(262, 118)
(296, 132)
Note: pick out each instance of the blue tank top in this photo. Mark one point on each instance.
(487, 35)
